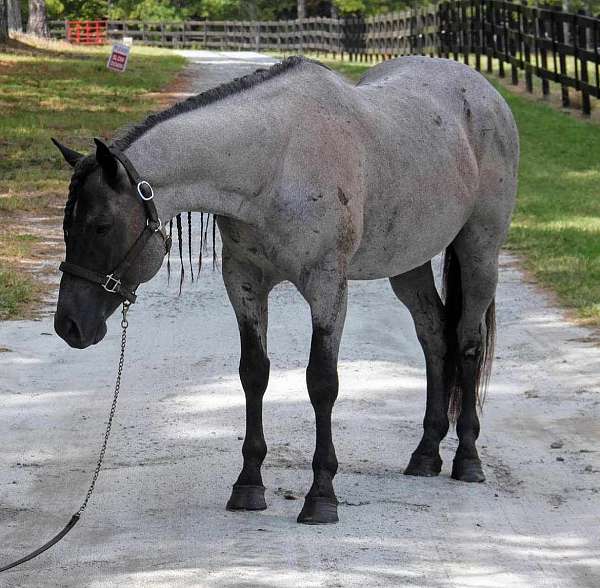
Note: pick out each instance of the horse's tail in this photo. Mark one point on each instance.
(452, 290)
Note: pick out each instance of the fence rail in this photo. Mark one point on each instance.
(551, 45)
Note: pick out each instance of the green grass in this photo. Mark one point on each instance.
(16, 292)
(58, 91)
(557, 220)
(556, 226)
(71, 96)
(17, 288)
(16, 245)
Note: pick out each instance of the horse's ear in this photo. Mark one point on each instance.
(106, 159)
(71, 157)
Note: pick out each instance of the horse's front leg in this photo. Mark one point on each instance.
(248, 292)
(326, 294)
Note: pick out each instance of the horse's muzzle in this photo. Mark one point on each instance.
(72, 332)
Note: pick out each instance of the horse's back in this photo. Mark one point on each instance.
(443, 141)
(445, 88)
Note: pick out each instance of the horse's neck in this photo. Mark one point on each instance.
(213, 159)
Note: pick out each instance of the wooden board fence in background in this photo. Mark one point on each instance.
(549, 45)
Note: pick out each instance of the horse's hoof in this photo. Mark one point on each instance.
(247, 498)
(468, 470)
(423, 465)
(318, 510)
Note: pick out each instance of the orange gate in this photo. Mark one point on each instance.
(86, 32)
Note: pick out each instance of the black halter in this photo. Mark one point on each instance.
(113, 281)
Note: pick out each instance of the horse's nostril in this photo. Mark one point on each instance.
(72, 330)
(68, 329)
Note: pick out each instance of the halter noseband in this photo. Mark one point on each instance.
(113, 281)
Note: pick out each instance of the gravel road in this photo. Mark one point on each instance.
(158, 518)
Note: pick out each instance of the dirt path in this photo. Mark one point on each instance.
(158, 518)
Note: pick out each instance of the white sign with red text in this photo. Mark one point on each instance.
(118, 58)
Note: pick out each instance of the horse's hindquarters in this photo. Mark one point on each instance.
(443, 150)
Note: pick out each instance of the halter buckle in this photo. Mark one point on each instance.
(139, 190)
(112, 284)
(158, 228)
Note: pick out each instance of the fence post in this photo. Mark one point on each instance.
(454, 36)
(411, 31)
(476, 34)
(489, 36)
(464, 28)
(501, 38)
(541, 33)
(514, 45)
(442, 29)
(580, 40)
(526, 28)
(559, 31)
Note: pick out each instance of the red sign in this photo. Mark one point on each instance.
(118, 58)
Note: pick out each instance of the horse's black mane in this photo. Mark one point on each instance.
(210, 96)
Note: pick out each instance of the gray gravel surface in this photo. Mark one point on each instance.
(158, 518)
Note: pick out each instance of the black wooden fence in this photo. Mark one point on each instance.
(537, 43)
(544, 43)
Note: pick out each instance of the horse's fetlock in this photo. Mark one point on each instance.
(254, 451)
(466, 450)
(438, 426)
(325, 465)
(323, 482)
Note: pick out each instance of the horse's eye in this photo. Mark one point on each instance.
(102, 229)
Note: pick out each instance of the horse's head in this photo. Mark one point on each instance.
(105, 221)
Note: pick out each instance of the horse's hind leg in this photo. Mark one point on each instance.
(416, 290)
(248, 293)
(474, 261)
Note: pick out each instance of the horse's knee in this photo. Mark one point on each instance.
(254, 373)
(322, 383)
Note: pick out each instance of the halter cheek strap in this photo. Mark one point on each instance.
(113, 281)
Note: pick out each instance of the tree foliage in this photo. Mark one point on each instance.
(369, 7)
(173, 10)
(212, 9)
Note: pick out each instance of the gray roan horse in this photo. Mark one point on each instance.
(316, 181)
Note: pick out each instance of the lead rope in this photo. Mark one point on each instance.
(75, 518)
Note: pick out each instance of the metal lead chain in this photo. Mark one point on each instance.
(73, 521)
(124, 325)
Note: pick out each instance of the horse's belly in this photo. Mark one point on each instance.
(408, 238)
(374, 264)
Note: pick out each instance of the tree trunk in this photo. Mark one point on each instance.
(14, 15)
(37, 24)
(3, 21)
(301, 8)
